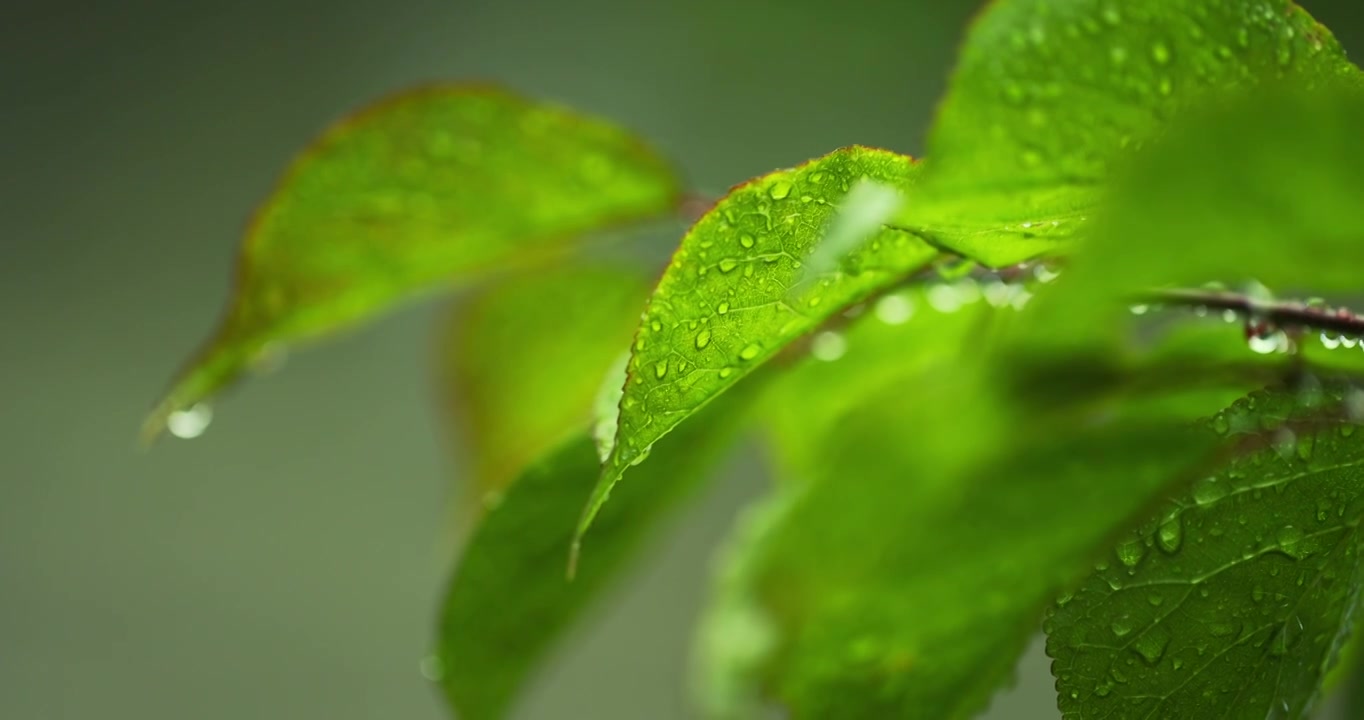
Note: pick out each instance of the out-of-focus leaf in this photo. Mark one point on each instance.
(738, 291)
(525, 357)
(1263, 189)
(1233, 601)
(421, 189)
(938, 515)
(894, 339)
(509, 600)
(1050, 95)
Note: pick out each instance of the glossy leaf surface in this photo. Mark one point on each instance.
(1050, 96)
(1233, 601)
(737, 292)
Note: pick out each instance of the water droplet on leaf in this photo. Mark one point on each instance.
(1170, 535)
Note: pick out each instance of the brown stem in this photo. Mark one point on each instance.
(1286, 315)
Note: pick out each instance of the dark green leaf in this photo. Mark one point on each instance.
(427, 187)
(738, 291)
(937, 520)
(509, 600)
(1233, 601)
(1050, 95)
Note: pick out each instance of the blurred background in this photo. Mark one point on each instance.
(289, 563)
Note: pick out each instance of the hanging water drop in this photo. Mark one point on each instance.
(660, 369)
(728, 265)
(703, 338)
(190, 423)
(1044, 273)
(780, 189)
(1266, 339)
(432, 668)
(750, 352)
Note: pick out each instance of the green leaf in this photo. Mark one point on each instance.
(427, 187)
(1049, 96)
(1233, 601)
(738, 291)
(509, 600)
(1265, 189)
(524, 359)
(936, 520)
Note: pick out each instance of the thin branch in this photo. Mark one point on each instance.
(1265, 315)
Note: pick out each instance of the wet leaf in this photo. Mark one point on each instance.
(428, 187)
(1234, 598)
(738, 291)
(525, 357)
(1263, 189)
(509, 600)
(921, 543)
(1048, 97)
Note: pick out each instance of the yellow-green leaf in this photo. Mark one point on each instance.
(425, 188)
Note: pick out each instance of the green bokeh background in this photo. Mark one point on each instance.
(289, 563)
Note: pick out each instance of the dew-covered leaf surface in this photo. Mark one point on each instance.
(739, 290)
(1049, 96)
(422, 189)
(1232, 601)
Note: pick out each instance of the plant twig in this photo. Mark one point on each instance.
(1265, 315)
